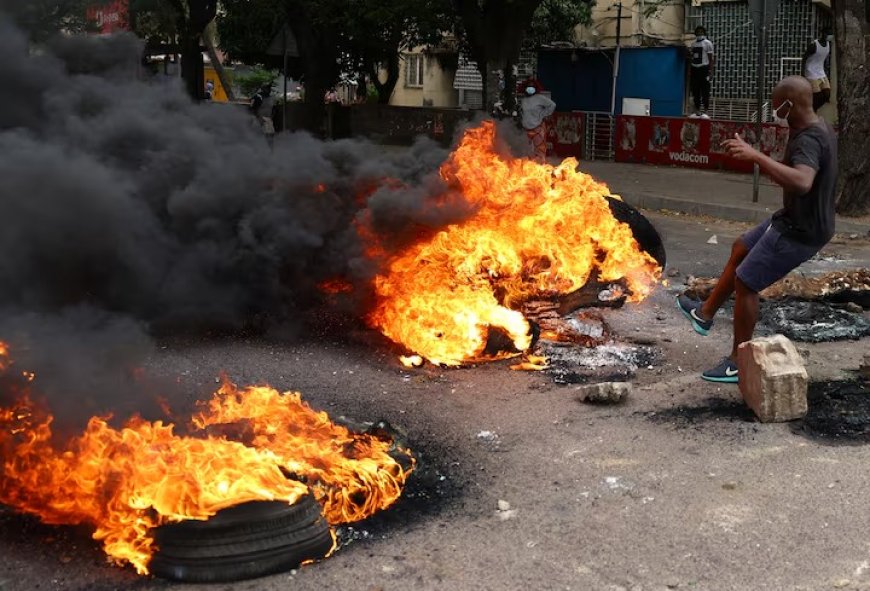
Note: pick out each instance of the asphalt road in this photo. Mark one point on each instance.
(678, 488)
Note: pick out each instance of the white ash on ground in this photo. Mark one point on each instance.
(610, 362)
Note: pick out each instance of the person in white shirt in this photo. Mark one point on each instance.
(701, 71)
(536, 108)
(814, 60)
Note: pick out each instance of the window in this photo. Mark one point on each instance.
(694, 16)
(414, 70)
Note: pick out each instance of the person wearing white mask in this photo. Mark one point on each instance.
(536, 108)
(701, 71)
(791, 236)
(814, 60)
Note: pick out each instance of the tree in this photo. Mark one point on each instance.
(358, 36)
(494, 31)
(555, 20)
(376, 32)
(247, 27)
(42, 19)
(851, 31)
(192, 17)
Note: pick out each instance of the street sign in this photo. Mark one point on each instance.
(283, 43)
(759, 13)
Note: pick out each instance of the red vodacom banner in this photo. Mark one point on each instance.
(691, 142)
(110, 17)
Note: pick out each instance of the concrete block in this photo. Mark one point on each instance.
(606, 393)
(773, 380)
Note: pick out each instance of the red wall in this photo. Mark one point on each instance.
(693, 143)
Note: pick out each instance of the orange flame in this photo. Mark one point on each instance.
(351, 474)
(537, 231)
(125, 482)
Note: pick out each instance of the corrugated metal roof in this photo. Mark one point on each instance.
(467, 76)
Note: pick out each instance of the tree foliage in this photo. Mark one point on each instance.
(555, 20)
(360, 35)
(246, 27)
(156, 21)
(42, 19)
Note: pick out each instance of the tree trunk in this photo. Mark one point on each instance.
(385, 89)
(495, 33)
(193, 17)
(852, 43)
(192, 65)
(208, 38)
(319, 54)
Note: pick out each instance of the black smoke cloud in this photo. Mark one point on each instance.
(126, 196)
(126, 210)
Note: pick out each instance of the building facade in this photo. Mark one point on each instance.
(425, 81)
(730, 27)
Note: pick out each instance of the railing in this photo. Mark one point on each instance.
(737, 109)
(598, 136)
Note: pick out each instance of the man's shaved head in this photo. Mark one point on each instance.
(793, 100)
(796, 89)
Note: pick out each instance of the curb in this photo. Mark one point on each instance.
(738, 213)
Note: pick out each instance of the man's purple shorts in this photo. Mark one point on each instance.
(771, 256)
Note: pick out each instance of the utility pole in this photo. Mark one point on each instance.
(618, 23)
(616, 58)
(767, 11)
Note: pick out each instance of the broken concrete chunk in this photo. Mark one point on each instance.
(773, 380)
(605, 393)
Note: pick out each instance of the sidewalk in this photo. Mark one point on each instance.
(723, 195)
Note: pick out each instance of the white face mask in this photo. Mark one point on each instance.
(782, 121)
(530, 90)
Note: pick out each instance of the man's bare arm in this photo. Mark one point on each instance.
(796, 179)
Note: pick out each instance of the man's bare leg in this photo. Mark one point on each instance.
(745, 315)
(725, 286)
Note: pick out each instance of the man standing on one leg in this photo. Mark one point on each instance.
(768, 252)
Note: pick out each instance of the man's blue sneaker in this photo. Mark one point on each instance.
(725, 373)
(691, 309)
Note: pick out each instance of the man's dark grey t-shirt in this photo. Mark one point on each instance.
(809, 218)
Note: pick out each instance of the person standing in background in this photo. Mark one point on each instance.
(817, 53)
(536, 108)
(701, 72)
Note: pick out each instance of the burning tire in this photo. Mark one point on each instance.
(644, 232)
(242, 542)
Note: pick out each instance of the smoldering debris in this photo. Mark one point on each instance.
(813, 322)
(839, 412)
(613, 361)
